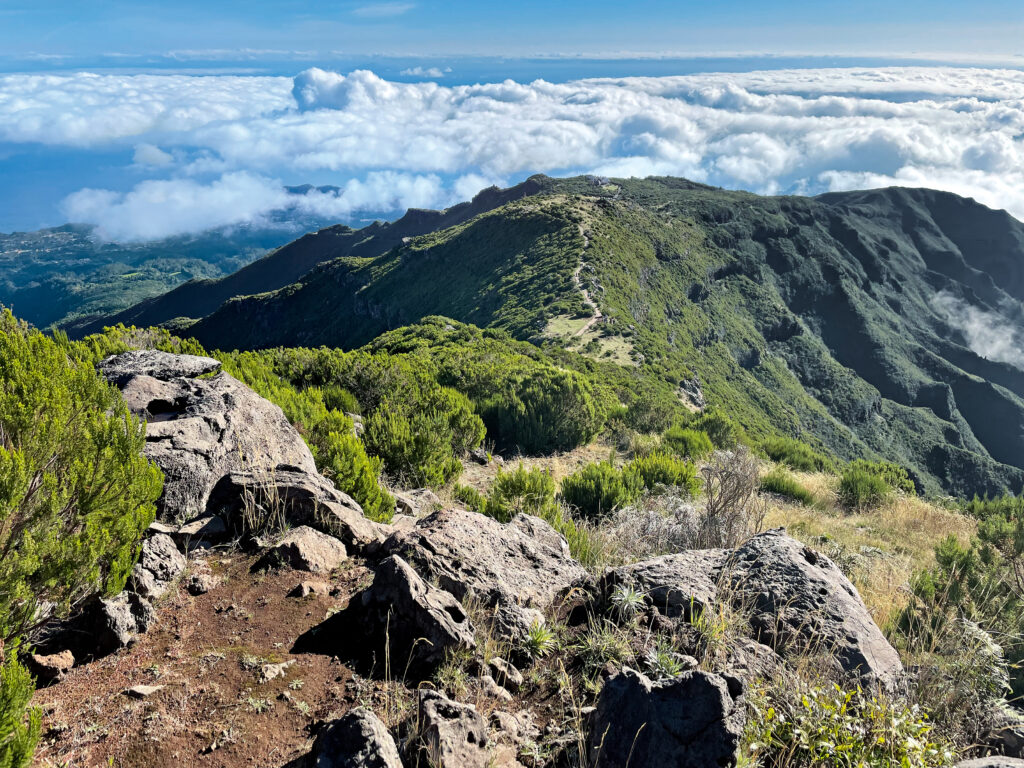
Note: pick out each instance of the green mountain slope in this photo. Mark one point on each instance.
(814, 317)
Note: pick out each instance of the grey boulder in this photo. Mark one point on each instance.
(305, 549)
(200, 429)
(996, 761)
(524, 562)
(300, 498)
(799, 601)
(356, 740)
(160, 564)
(681, 584)
(158, 365)
(450, 734)
(398, 617)
(692, 721)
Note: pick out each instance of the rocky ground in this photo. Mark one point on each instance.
(269, 624)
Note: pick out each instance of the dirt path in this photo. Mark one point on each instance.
(587, 298)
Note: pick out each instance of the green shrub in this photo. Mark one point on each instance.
(662, 469)
(796, 455)
(340, 399)
(416, 448)
(531, 492)
(784, 484)
(543, 411)
(812, 727)
(720, 428)
(597, 489)
(688, 443)
(342, 458)
(893, 475)
(471, 497)
(76, 493)
(19, 725)
(860, 488)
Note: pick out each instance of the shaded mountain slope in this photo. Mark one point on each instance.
(816, 317)
(289, 263)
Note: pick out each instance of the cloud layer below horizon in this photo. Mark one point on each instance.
(214, 151)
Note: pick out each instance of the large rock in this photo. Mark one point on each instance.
(158, 365)
(356, 740)
(114, 623)
(450, 734)
(692, 721)
(399, 617)
(416, 503)
(798, 601)
(996, 761)
(524, 562)
(160, 564)
(200, 429)
(677, 585)
(305, 549)
(302, 498)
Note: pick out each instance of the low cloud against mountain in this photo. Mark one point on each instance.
(390, 144)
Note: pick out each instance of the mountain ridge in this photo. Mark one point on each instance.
(813, 317)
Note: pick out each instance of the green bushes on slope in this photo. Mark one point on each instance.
(868, 484)
(796, 455)
(784, 484)
(688, 443)
(76, 495)
(664, 470)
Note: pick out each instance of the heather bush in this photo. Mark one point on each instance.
(664, 470)
(530, 492)
(780, 482)
(796, 455)
(688, 443)
(860, 488)
(597, 489)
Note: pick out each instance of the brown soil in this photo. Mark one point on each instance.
(207, 653)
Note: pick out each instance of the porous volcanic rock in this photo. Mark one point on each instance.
(523, 562)
(358, 739)
(694, 720)
(159, 565)
(305, 549)
(200, 429)
(301, 498)
(798, 600)
(450, 733)
(680, 584)
(995, 761)
(398, 614)
(158, 365)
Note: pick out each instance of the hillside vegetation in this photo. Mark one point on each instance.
(813, 318)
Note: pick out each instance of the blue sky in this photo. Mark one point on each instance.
(119, 33)
(149, 119)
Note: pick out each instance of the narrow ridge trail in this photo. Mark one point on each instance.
(587, 298)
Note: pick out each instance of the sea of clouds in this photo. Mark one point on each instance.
(213, 151)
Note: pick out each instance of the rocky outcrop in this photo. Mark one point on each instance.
(305, 549)
(682, 584)
(798, 600)
(200, 429)
(356, 740)
(155, 364)
(416, 503)
(524, 562)
(301, 498)
(996, 761)
(160, 564)
(692, 721)
(450, 734)
(400, 613)
(113, 623)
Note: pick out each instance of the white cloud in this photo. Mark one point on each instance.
(431, 72)
(148, 154)
(154, 210)
(775, 131)
(988, 334)
(382, 10)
